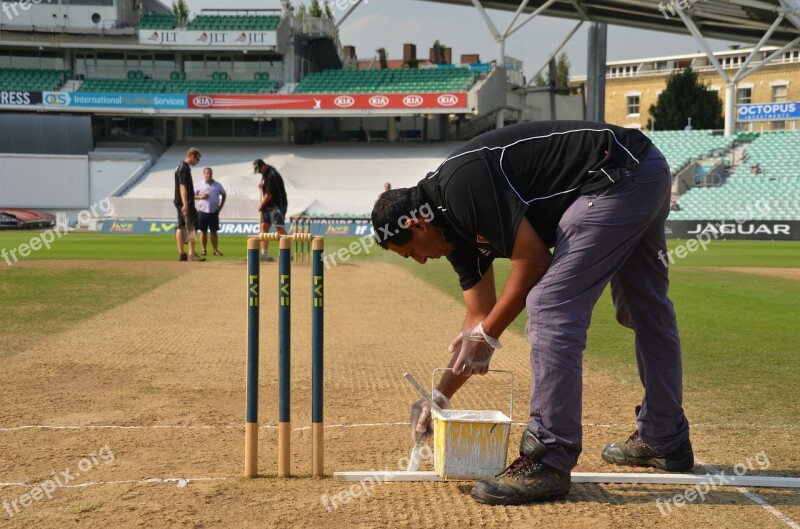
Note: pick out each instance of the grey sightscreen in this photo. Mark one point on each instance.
(45, 134)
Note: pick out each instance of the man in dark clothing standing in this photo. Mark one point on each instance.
(184, 203)
(273, 202)
(598, 195)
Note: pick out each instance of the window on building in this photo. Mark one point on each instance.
(111, 65)
(779, 93)
(791, 56)
(195, 67)
(164, 65)
(218, 63)
(744, 96)
(107, 3)
(633, 105)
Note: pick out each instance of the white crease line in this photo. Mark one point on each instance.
(758, 500)
(181, 482)
(364, 425)
(115, 427)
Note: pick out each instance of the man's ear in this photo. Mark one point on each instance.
(414, 223)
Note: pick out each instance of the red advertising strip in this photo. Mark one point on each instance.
(422, 101)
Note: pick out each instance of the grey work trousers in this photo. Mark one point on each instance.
(615, 235)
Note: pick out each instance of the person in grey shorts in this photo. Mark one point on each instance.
(273, 202)
(210, 197)
(599, 196)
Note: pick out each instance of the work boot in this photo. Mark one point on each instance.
(635, 453)
(525, 480)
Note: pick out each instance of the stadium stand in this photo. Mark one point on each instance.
(220, 84)
(773, 195)
(156, 21)
(25, 219)
(321, 180)
(32, 79)
(681, 147)
(235, 22)
(387, 81)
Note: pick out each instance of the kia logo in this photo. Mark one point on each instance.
(412, 101)
(203, 101)
(344, 101)
(378, 101)
(448, 100)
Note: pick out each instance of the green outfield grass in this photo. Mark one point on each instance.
(740, 347)
(37, 302)
(738, 331)
(105, 246)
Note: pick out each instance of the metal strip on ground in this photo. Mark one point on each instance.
(758, 500)
(643, 478)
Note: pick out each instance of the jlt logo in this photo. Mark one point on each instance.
(256, 38)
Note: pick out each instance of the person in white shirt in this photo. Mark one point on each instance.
(210, 197)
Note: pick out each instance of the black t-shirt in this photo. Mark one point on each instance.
(183, 175)
(536, 170)
(272, 183)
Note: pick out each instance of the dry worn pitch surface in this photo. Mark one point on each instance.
(159, 381)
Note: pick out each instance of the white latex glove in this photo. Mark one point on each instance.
(477, 349)
(455, 345)
(421, 428)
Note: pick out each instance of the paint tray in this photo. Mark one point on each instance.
(471, 444)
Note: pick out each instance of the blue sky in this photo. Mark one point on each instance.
(390, 23)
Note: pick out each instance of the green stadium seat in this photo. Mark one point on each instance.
(777, 190)
(365, 81)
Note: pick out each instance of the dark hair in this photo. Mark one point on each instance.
(390, 207)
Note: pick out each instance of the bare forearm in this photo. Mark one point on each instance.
(450, 383)
(523, 276)
(529, 261)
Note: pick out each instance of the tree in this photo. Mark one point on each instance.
(316, 9)
(683, 98)
(562, 74)
(181, 11)
(562, 71)
(539, 80)
(328, 10)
